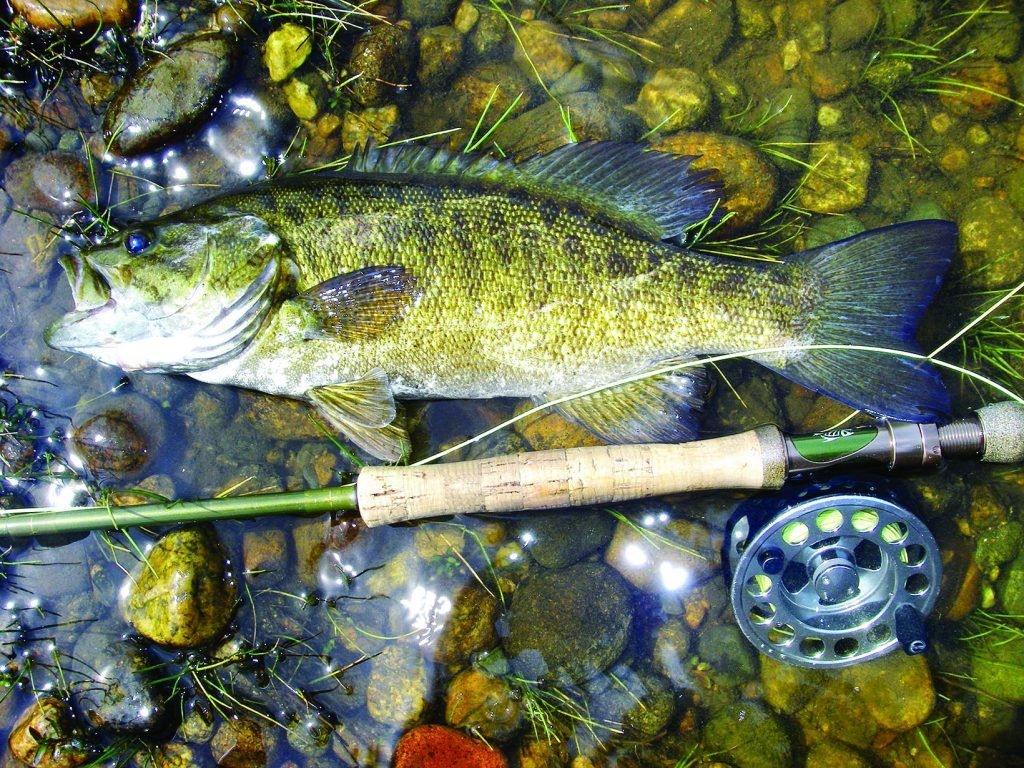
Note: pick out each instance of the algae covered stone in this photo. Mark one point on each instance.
(182, 595)
(750, 734)
(286, 50)
(574, 621)
(673, 99)
(838, 179)
(399, 686)
(43, 736)
(170, 95)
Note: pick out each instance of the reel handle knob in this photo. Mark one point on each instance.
(910, 630)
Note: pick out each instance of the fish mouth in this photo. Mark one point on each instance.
(89, 288)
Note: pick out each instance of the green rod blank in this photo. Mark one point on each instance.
(43, 521)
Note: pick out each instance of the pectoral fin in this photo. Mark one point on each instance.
(365, 412)
(658, 409)
(358, 305)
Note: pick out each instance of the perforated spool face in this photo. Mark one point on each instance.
(818, 584)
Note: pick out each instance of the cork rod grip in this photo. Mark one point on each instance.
(572, 477)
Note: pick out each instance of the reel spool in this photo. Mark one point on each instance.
(831, 575)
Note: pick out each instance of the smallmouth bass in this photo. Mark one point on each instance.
(422, 274)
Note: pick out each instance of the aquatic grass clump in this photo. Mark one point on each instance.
(901, 69)
(997, 343)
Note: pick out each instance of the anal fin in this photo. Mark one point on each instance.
(364, 411)
(661, 408)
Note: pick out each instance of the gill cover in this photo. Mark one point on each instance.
(175, 297)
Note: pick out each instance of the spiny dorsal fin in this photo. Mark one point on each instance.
(659, 409)
(359, 305)
(650, 193)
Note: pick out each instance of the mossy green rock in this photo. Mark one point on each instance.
(427, 13)
(838, 179)
(397, 691)
(897, 690)
(730, 655)
(286, 49)
(169, 96)
(556, 541)
(1010, 588)
(383, 60)
(574, 621)
(470, 627)
(182, 596)
(852, 21)
(544, 128)
(991, 241)
(750, 734)
(544, 51)
(673, 100)
(440, 55)
(694, 32)
(999, 545)
(997, 665)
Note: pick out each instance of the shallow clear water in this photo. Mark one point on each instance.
(328, 609)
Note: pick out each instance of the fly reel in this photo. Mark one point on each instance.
(831, 575)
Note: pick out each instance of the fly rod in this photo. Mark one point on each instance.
(762, 458)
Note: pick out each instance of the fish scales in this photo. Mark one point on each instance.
(512, 289)
(427, 275)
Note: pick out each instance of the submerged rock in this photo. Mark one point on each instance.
(750, 734)
(673, 100)
(991, 241)
(440, 55)
(382, 59)
(169, 96)
(182, 596)
(694, 32)
(544, 51)
(642, 702)
(747, 178)
(558, 540)
(483, 704)
(547, 126)
(436, 746)
(427, 13)
(470, 627)
(238, 743)
(55, 182)
(658, 553)
(42, 737)
(986, 91)
(997, 664)
(115, 684)
(838, 179)
(732, 658)
(61, 15)
(286, 49)
(574, 621)
(112, 442)
(399, 686)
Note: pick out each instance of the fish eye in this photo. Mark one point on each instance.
(136, 241)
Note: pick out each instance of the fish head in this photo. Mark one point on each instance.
(179, 295)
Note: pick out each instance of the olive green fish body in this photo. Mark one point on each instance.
(514, 296)
(427, 275)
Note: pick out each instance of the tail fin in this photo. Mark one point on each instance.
(875, 286)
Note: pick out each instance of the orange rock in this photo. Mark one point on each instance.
(981, 91)
(74, 14)
(436, 746)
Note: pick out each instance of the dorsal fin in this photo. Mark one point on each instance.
(650, 193)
